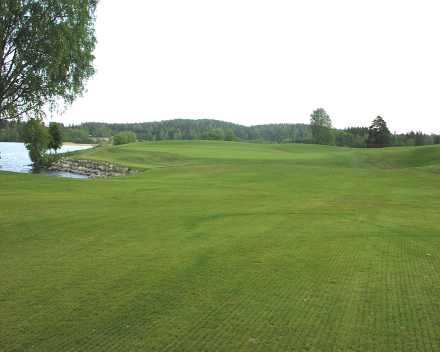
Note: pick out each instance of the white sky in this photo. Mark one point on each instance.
(258, 61)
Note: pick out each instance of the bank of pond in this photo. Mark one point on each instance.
(14, 157)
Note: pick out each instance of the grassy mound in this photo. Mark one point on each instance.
(173, 153)
(225, 247)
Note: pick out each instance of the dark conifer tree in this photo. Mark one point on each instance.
(379, 135)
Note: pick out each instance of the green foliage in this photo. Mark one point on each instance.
(419, 138)
(230, 136)
(99, 130)
(360, 134)
(215, 134)
(177, 135)
(56, 135)
(46, 53)
(225, 247)
(124, 138)
(344, 139)
(36, 139)
(360, 142)
(11, 131)
(321, 127)
(193, 129)
(410, 142)
(379, 135)
(77, 135)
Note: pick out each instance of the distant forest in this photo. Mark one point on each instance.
(180, 129)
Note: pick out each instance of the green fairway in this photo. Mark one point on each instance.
(224, 246)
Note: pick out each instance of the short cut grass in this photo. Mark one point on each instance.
(223, 246)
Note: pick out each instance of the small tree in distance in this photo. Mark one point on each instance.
(321, 127)
(56, 135)
(36, 139)
(230, 136)
(124, 137)
(344, 139)
(215, 134)
(379, 136)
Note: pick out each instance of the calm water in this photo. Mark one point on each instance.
(15, 158)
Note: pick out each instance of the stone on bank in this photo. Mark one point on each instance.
(90, 168)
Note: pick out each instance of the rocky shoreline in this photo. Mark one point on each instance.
(89, 168)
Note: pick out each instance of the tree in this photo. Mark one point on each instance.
(46, 54)
(77, 135)
(124, 138)
(56, 135)
(230, 136)
(177, 135)
(344, 139)
(419, 138)
(321, 127)
(379, 135)
(215, 134)
(36, 139)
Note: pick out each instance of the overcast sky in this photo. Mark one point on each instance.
(258, 61)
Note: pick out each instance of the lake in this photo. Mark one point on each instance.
(15, 158)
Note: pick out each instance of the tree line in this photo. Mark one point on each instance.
(178, 129)
(376, 136)
(47, 58)
(185, 129)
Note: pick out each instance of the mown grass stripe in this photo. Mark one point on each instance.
(217, 251)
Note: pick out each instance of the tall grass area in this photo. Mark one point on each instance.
(224, 246)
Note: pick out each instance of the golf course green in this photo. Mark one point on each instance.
(225, 246)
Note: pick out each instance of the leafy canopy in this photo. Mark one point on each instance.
(46, 54)
(215, 134)
(230, 136)
(36, 139)
(124, 138)
(344, 139)
(321, 127)
(56, 135)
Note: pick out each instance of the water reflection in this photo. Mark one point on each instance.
(15, 158)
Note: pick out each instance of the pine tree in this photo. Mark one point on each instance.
(379, 136)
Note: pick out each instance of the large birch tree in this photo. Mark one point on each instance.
(46, 54)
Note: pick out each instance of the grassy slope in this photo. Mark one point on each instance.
(225, 246)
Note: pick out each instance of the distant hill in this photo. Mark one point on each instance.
(187, 129)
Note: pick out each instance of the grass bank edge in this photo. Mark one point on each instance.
(147, 155)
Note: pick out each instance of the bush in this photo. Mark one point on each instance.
(124, 138)
(36, 139)
(216, 135)
(344, 139)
